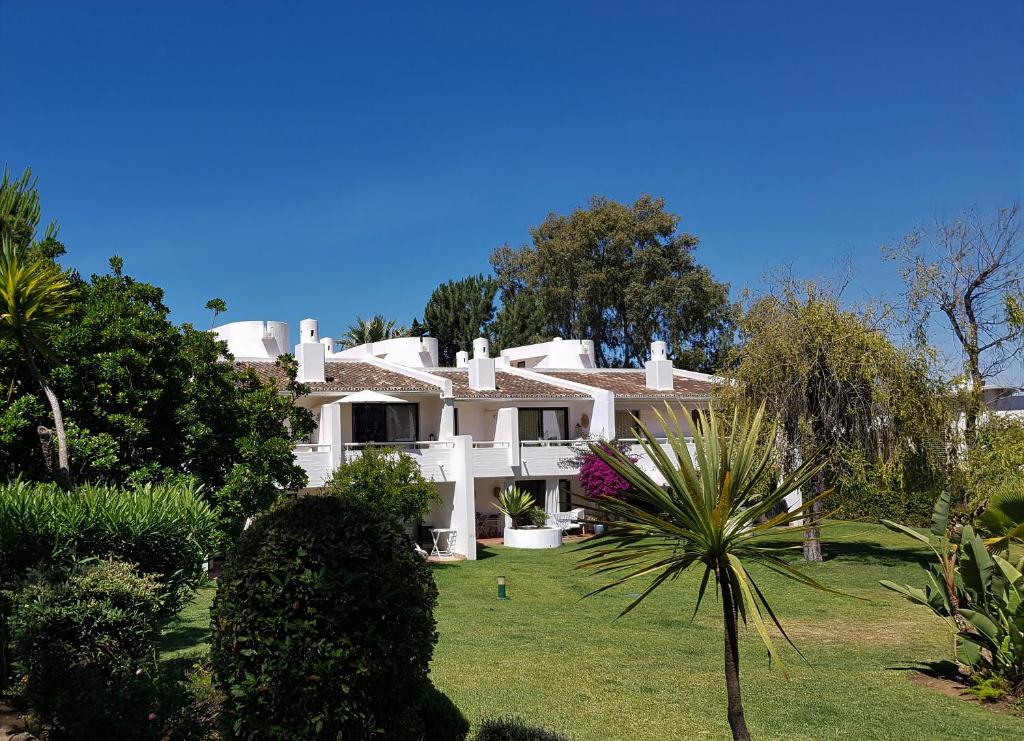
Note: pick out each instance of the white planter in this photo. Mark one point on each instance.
(533, 537)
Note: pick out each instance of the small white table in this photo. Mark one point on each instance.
(449, 534)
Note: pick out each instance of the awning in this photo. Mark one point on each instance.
(371, 397)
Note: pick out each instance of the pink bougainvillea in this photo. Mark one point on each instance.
(599, 480)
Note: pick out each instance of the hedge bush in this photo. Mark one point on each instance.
(84, 650)
(323, 625)
(165, 529)
(514, 729)
(388, 480)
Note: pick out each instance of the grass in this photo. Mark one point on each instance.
(653, 674)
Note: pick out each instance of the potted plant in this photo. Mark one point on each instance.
(527, 522)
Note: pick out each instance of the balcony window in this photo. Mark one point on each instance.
(544, 424)
(385, 423)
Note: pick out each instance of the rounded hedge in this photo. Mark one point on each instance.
(323, 625)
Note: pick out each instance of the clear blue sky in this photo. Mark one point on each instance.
(325, 160)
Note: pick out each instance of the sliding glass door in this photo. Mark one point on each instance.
(385, 423)
(543, 424)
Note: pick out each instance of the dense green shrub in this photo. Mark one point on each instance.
(868, 491)
(84, 649)
(323, 624)
(514, 729)
(386, 479)
(165, 530)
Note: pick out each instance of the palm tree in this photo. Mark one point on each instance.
(374, 329)
(34, 294)
(715, 512)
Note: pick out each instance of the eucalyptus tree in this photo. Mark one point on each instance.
(34, 296)
(715, 515)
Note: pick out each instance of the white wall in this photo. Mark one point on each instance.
(262, 340)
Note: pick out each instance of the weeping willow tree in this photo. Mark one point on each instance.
(836, 381)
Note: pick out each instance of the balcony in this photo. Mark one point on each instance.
(542, 457)
(492, 459)
(434, 456)
(316, 461)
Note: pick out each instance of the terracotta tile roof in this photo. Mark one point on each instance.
(509, 386)
(349, 375)
(632, 384)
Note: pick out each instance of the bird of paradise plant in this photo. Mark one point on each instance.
(714, 512)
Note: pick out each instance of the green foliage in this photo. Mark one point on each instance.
(196, 711)
(988, 689)
(374, 329)
(323, 624)
(706, 516)
(517, 505)
(84, 647)
(537, 517)
(150, 400)
(980, 593)
(387, 480)
(621, 275)
(458, 312)
(514, 728)
(836, 382)
(166, 530)
(1003, 516)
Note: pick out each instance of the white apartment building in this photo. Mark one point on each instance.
(475, 428)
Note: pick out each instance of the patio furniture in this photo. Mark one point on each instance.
(487, 526)
(566, 521)
(448, 534)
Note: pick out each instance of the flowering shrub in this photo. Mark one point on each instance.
(599, 480)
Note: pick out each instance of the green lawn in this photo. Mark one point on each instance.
(655, 675)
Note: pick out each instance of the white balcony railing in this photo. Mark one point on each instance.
(433, 456)
(543, 457)
(315, 459)
(492, 458)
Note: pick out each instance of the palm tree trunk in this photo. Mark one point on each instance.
(63, 465)
(737, 722)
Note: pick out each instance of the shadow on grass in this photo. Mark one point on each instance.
(184, 636)
(873, 553)
(943, 669)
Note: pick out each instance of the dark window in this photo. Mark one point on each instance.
(544, 424)
(385, 423)
(564, 496)
(536, 487)
(456, 420)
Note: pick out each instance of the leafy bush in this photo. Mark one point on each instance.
(514, 729)
(323, 624)
(197, 707)
(979, 592)
(165, 530)
(537, 517)
(84, 647)
(865, 490)
(386, 479)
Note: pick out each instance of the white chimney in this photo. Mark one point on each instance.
(328, 343)
(310, 353)
(461, 359)
(659, 368)
(588, 348)
(481, 367)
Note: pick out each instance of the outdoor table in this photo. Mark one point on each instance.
(449, 534)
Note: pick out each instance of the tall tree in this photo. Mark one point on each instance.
(969, 270)
(621, 275)
(374, 329)
(34, 296)
(835, 382)
(458, 312)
